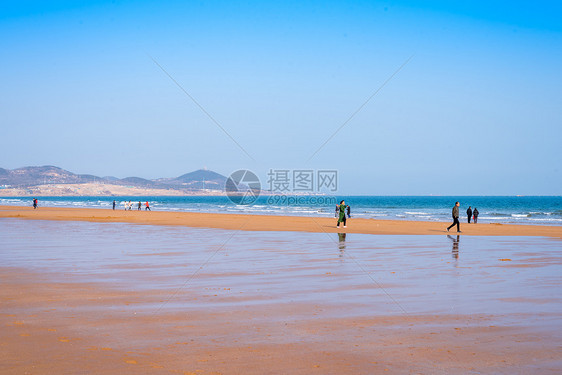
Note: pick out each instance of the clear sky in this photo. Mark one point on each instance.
(477, 110)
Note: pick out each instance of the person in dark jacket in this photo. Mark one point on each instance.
(475, 213)
(455, 218)
(469, 213)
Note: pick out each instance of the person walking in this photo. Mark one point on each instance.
(340, 209)
(113, 205)
(475, 213)
(456, 218)
(147, 206)
(139, 206)
(34, 203)
(469, 213)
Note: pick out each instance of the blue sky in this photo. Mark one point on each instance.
(476, 111)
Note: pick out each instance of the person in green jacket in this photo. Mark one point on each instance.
(341, 210)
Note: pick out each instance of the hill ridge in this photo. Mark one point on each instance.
(25, 177)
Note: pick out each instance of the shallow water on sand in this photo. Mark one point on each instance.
(351, 275)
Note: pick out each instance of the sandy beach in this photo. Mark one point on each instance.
(273, 223)
(87, 290)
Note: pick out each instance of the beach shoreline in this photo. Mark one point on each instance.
(274, 223)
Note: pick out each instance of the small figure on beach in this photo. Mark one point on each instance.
(348, 211)
(139, 206)
(469, 213)
(456, 218)
(34, 203)
(130, 205)
(113, 205)
(147, 206)
(475, 213)
(340, 210)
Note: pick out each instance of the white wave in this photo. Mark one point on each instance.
(494, 218)
(557, 220)
(10, 201)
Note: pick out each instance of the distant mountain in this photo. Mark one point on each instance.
(30, 176)
(34, 176)
(134, 181)
(199, 179)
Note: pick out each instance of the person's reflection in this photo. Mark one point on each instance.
(455, 245)
(341, 244)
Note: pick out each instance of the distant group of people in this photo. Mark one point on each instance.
(469, 212)
(472, 214)
(129, 206)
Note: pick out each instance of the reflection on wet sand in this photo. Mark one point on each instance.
(456, 241)
(341, 242)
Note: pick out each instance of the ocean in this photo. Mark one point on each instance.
(540, 210)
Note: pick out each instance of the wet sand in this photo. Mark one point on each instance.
(274, 223)
(106, 298)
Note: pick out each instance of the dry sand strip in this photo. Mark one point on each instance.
(274, 223)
